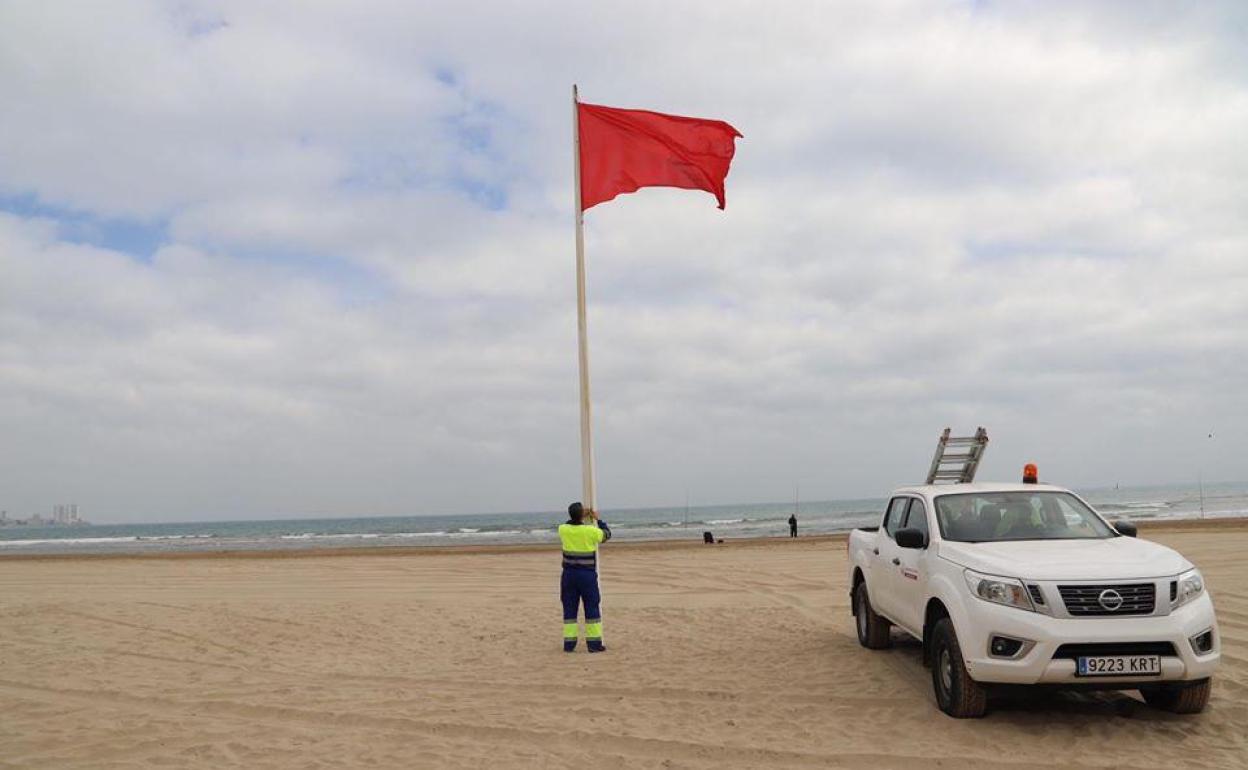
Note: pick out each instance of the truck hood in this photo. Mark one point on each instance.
(1115, 558)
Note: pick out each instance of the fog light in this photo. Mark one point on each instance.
(1202, 643)
(1004, 646)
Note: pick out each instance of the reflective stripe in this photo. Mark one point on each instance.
(593, 631)
(580, 559)
(569, 631)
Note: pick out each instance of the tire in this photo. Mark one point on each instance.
(957, 694)
(1179, 698)
(873, 630)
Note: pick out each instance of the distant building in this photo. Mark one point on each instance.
(63, 515)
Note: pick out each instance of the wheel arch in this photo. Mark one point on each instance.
(933, 613)
(857, 579)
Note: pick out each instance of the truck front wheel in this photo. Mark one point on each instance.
(956, 693)
(873, 630)
(1179, 698)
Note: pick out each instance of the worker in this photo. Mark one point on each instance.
(793, 525)
(581, 535)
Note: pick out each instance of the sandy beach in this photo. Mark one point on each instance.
(738, 655)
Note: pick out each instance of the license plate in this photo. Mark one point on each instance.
(1119, 665)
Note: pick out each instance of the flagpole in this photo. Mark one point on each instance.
(589, 493)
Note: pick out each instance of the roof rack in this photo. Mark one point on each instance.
(957, 467)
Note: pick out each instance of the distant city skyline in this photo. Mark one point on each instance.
(63, 515)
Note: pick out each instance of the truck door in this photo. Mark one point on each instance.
(885, 560)
(910, 576)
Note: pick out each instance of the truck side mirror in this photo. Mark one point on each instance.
(1125, 527)
(910, 538)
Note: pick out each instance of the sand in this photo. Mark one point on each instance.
(738, 655)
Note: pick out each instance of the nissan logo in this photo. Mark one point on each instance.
(1110, 600)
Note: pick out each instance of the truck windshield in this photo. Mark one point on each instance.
(980, 517)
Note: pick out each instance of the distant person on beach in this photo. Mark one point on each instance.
(793, 525)
(581, 535)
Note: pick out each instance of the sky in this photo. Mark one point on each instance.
(317, 259)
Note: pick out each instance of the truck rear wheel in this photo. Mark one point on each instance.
(1179, 698)
(873, 630)
(956, 693)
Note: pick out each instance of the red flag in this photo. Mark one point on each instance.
(625, 150)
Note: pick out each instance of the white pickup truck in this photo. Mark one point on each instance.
(1027, 584)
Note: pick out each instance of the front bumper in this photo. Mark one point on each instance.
(1037, 664)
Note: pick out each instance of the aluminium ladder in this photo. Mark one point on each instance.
(957, 467)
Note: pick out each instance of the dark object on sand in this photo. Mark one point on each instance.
(708, 538)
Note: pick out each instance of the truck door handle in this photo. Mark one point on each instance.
(896, 560)
(876, 551)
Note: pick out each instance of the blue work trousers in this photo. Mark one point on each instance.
(577, 587)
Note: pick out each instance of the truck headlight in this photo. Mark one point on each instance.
(1190, 585)
(999, 590)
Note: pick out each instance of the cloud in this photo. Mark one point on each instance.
(283, 258)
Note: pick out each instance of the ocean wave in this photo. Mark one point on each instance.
(177, 537)
(70, 541)
(1150, 505)
(1223, 514)
(461, 532)
(331, 536)
(724, 521)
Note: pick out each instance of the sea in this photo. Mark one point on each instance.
(727, 522)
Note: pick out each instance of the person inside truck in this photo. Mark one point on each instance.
(989, 522)
(1020, 523)
(957, 516)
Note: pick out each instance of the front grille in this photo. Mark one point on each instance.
(1137, 599)
(1174, 590)
(1072, 651)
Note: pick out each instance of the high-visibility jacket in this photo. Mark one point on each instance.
(580, 543)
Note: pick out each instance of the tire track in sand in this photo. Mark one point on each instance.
(626, 746)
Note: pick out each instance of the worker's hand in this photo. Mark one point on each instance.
(592, 515)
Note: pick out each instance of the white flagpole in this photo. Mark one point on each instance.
(589, 493)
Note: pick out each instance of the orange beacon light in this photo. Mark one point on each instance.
(1030, 475)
